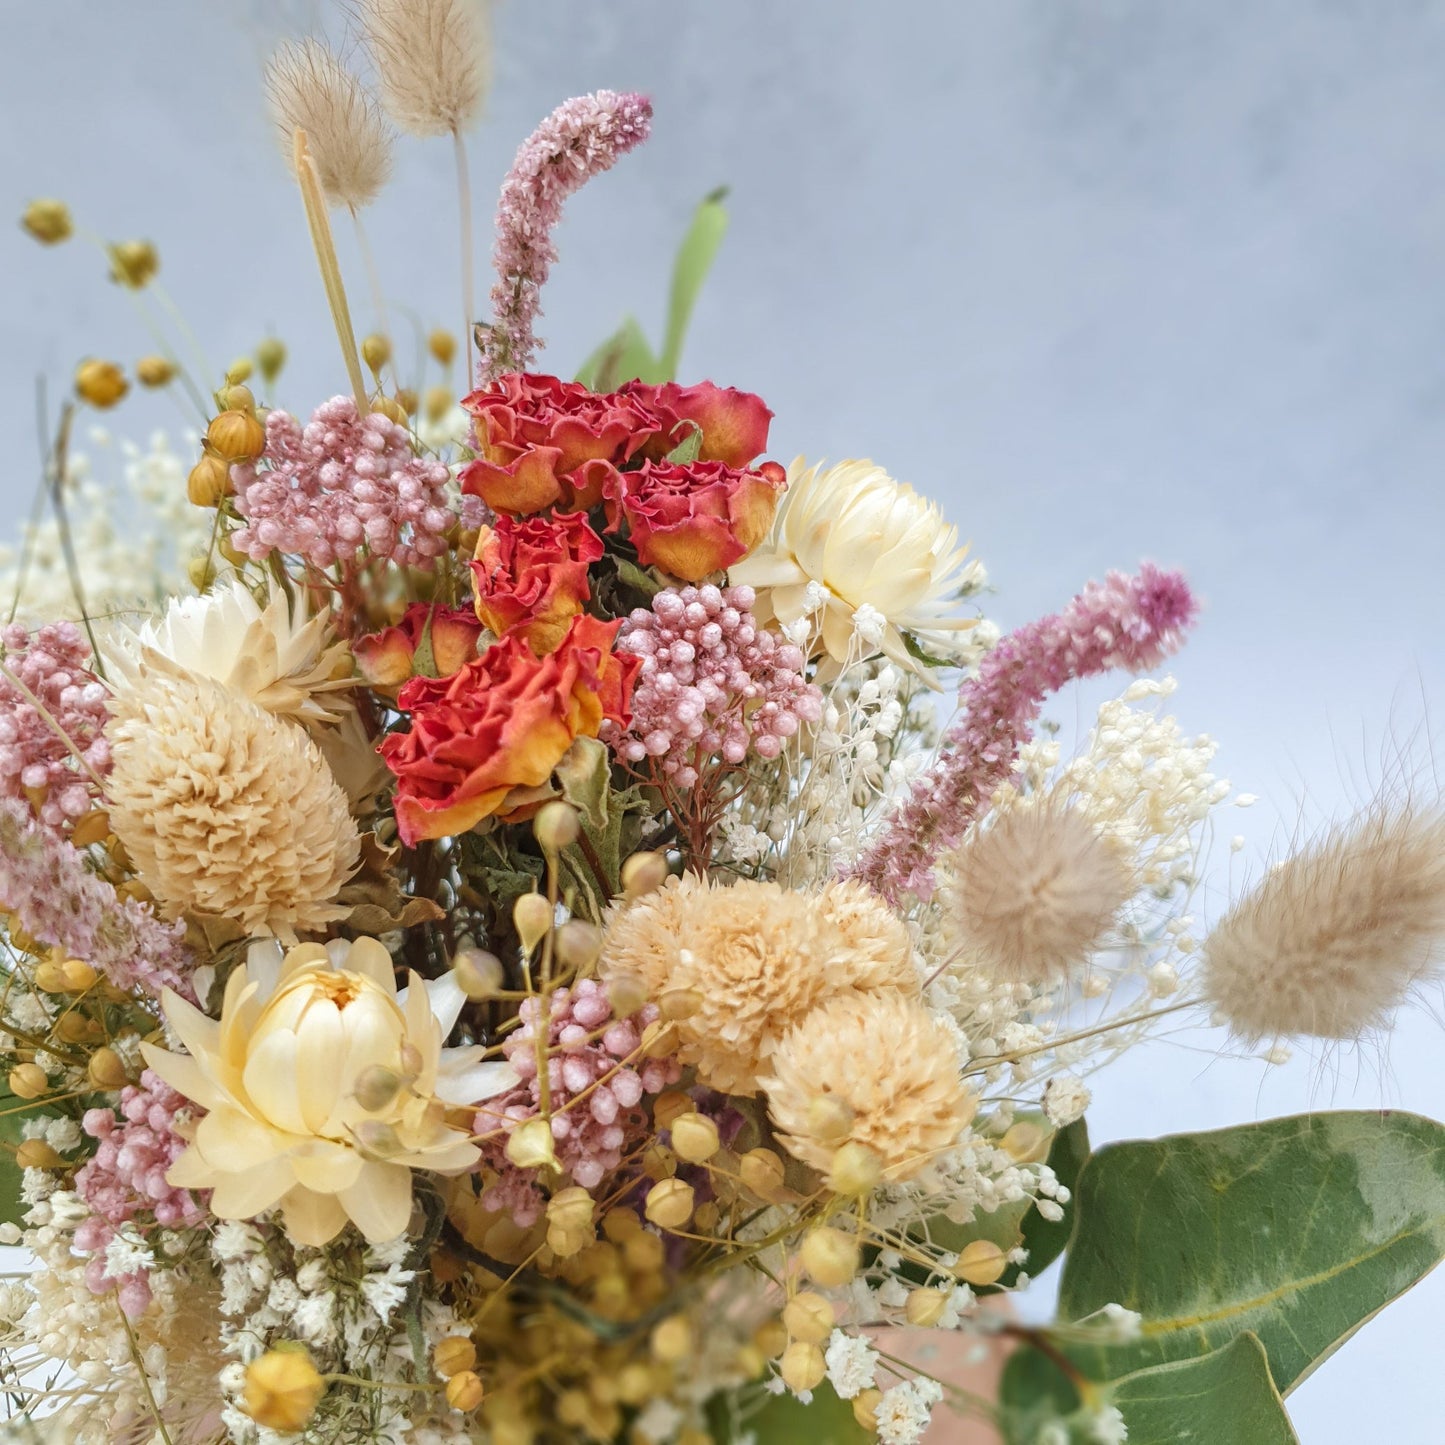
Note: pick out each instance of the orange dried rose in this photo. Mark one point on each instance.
(530, 576)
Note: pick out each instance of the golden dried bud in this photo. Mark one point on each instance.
(865, 1409)
(283, 1389)
(453, 1355)
(48, 220)
(809, 1317)
(762, 1171)
(442, 345)
(210, 480)
(579, 945)
(925, 1307)
(239, 370)
(375, 352)
(479, 974)
(270, 357)
(530, 1146)
(100, 383)
(28, 1081)
(856, 1170)
(557, 825)
(391, 409)
(981, 1262)
(106, 1069)
(154, 371)
(802, 1367)
(642, 873)
(376, 1086)
(133, 263)
(237, 398)
(669, 1203)
(236, 436)
(829, 1256)
(37, 1154)
(694, 1137)
(77, 975)
(830, 1119)
(407, 400)
(464, 1391)
(438, 403)
(672, 1340)
(50, 975)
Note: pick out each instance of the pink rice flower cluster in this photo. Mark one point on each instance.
(52, 665)
(1128, 622)
(45, 883)
(588, 1043)
(342, 482)
(126, 1180)
(582, 138)
(714, 684)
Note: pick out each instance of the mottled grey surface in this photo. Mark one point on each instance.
(1110, 278)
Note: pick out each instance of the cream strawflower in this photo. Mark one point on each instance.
(866, 541)
(276, 655)
(225, 809)
(298, 1040)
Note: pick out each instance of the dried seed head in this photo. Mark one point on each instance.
(433, 59)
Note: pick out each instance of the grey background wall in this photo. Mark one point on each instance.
(1111, 279)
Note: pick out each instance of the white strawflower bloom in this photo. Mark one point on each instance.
(851, 540)
(1334, 939)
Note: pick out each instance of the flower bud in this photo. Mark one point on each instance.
(133, 263)
(865, 1409)
(376, 1086)
(209, 482)
(830, 1119)
(626, 994)
(530, 1146)
(802, 1367)
(375, 352)
(154, 371)
(856, 1170)
(829, 1256)
(669, 1203)
(579, 945)
(100, 383)
(37, 1154)
(642, 873)
(270, 357)
(981, 1262)
(762, 1172)
(672, 1340)
(925, 1307)
(809, 1317)
(442, 345)
(283, 1389)
(479, 974)
(694, 1137)
(28, 1081)
(236, 436)
(453, 1355)
(464, 1391)
(48, 220)
(239, 370)
(438, 403)
(107, 1070)
(557, 825)
(532, 916)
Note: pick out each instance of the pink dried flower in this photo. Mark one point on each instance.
(51, 664)
(580, 139)
(344, 482)
(1128, 622)
(586, 1044)
(55, 898)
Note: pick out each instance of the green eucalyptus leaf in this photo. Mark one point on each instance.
(1046, 1239)
(784, 1420)
(639, 577)
(12, 1207)
(694, 260)
(1298, 1230)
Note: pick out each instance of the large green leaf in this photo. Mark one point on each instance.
(689, 271)
(783, 1420)
(624, 356)
(1298, 1230)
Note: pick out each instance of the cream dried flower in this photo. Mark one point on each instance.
(309, 89)
(1334, 939)
(891, 1066)
(225, 809)
(867, 542)
(433, 59)
(275, 655)
(873, 939)
(1031, 894)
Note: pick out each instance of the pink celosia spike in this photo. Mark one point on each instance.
(580, 139)
(1122, 622)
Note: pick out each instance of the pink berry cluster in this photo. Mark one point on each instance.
(587, 1043)
(35, 761)
(713, 684)
(126, 1178)
(343, 482)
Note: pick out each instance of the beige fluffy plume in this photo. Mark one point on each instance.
(1031, 896)
(225, 809)
(1334, 939)
(433, 59)
(309, 89)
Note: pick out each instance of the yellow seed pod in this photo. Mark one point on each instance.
(865, 1409)
(210, 480)
(809, 1317)
(232, 553)
(37, 1154)
(375, 352)
(571, 1209)
(270, 357)
(78, 975)
(830, 1119)
(706, 1217)
(750, 1362)
(670, 1106)
(694, 1137)
(239, 370)
(464, 1391)
(442, 345)
(1027, 1141)
(479, 974)
(644, 1252)
(236, 436)
(620, 1225)
(762, 1172)
(672, 1340)
(376, 1086)
(437, 404)
(155, 371)
(391, 409)
(50, 975)
(48, 220)
(557, 825)
(802, 1367)
(643, 873)
(201, 573)
(574, 1407)
(856, 1170)
(237, 398)
(634, 1384)
(659, 1039)
(626, 994)
(771, 1338)
(407, 400)
(93, 827)
(829, 1256)
(100, 383)
(530, 1146)
(925, 1307)
(981, 1262)
(532, 917)
(283, 1389)
(579, 945)
(75, 1028)
(679, 1003)
(133, 263)
(28, 1081)
(690, 1436)
(106, 1069)
(669, 1203)
(659, 1162)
